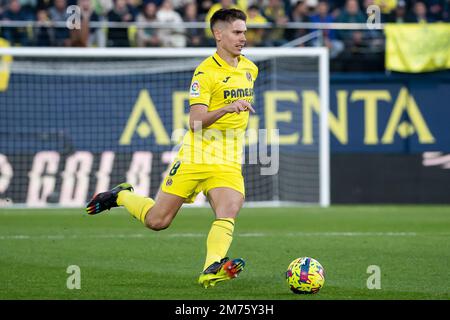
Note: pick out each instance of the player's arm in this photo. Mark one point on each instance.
(200, 117)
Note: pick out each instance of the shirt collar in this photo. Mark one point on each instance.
(225, 64)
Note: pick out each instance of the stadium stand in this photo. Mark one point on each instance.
(181, 23)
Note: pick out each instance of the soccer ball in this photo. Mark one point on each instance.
(305, 275)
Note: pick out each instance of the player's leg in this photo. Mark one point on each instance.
(155, 214)
(177, 187)
(165, 209)
(162, 210)
(226, 203)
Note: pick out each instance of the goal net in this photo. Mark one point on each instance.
(75, 122)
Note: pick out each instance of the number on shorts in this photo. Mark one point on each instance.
(174, 169)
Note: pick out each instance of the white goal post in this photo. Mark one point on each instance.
(44, 139)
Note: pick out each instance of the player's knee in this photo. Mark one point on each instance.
(229, 211)
(157, 224)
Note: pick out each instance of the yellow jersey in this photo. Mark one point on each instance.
(216, 84)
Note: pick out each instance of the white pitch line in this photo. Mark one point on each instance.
(200, 235)
(352, 234)
(63, 237)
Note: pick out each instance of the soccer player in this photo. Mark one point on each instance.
(210, 158)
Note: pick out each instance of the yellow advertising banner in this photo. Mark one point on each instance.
(418, 47)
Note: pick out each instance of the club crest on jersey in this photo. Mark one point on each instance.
(169, 182)
(195, 89)
(249, 76)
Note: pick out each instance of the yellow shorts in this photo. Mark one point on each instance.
(188, 180)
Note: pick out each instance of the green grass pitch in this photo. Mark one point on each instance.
(120, 259)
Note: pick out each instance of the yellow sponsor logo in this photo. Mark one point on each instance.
(145, 120)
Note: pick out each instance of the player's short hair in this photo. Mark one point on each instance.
(227, 15)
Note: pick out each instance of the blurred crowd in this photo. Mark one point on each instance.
(49, 17)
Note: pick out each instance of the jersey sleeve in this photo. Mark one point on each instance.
(201, 88)
(255, 72)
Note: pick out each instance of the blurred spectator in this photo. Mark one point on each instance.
(419, 14)
(170, 37)
(386, 6)
(15, 35)
(300, 13)
(3, 4)
(157, 2)
(43, 33)
(436, 9)
(222, 4)
(29, 7)
(44, 4)
(102, 7)
(446, 11)
(58, 14)
(312, 5)
(287, 4)
(194, 35)
(133, 7)
(147, 37)
(362, 47)
(203, 8)
(399, 14)
(275, 13)
(373, 37)
(118, 37)
(336, 7)
(351, 14)
(328, 37)
(359, 44)
(254, 35)
(179, 5)
(85, 36)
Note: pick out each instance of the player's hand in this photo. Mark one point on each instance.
(238, 106)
